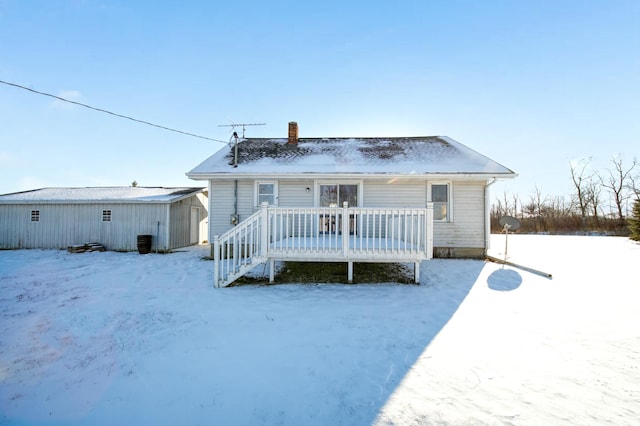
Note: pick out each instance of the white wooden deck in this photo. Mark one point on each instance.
(317, 235)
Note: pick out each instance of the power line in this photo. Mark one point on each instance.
(110, 112)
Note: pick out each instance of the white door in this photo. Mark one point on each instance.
(195, 226)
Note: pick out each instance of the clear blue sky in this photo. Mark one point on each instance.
(531, 84)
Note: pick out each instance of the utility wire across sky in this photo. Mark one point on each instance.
(110, 112)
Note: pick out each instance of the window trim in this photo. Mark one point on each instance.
(107, 215)
(35, 215)
(449, 184)
(256, 191)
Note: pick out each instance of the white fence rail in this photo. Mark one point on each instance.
(240, 249)
(324, 234)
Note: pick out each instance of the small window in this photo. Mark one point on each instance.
(440, 199)
(106, 215)
(35, 215)
(266, 193)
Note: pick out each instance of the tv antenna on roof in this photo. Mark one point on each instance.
(244, 125)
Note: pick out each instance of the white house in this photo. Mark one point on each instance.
(112, 216)
(407, 199)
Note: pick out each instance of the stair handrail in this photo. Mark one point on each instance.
(254, 223)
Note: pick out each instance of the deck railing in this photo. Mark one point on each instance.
(240, 249)
(330, 234)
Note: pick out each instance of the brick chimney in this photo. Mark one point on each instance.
(293, 132)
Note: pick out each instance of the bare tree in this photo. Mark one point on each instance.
(536, 209)
(617, 182)
(505, 197)
(580, 180)
(516, 202)
(634, 186)
(593, 190)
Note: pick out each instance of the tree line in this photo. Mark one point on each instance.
(601, 201)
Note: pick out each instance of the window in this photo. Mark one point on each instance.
(106, 215)
(35, 215)
(334, 195)
(440, 198)
(266, 192)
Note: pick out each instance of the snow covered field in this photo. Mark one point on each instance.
(120, 338)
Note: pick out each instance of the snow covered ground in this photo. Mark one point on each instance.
(120, 338)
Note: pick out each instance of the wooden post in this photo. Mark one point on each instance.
(264, 230)
(345, 228)
(429, 231)
(349, 272)
(216, 261)
(272, 271)
(416, 273)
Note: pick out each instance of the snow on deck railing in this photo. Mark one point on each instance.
(324, 233)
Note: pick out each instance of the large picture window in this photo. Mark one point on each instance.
(441, 199)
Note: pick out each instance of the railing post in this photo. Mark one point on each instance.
(345, 228)
(264, 228)
(429, 231)
(216, 261)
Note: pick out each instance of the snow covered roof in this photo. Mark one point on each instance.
(116, 194)
(397, 155)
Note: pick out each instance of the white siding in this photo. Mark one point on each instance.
(221, 204)
(395, 193)
(466, 230)
(220, 207)
(246, 199)
(467, 227)
(294, 193)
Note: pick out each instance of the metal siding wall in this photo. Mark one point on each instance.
(467, 228)
(14, 226)
(180, 215)
(62, 225)
(130, 220)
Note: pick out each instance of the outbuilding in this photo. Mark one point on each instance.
(55, 218)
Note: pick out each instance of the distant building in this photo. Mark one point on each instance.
(56, 218)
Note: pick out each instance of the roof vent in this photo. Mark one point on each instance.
(293, 132)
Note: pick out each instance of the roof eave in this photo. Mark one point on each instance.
(107, 201)
(303, 175)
